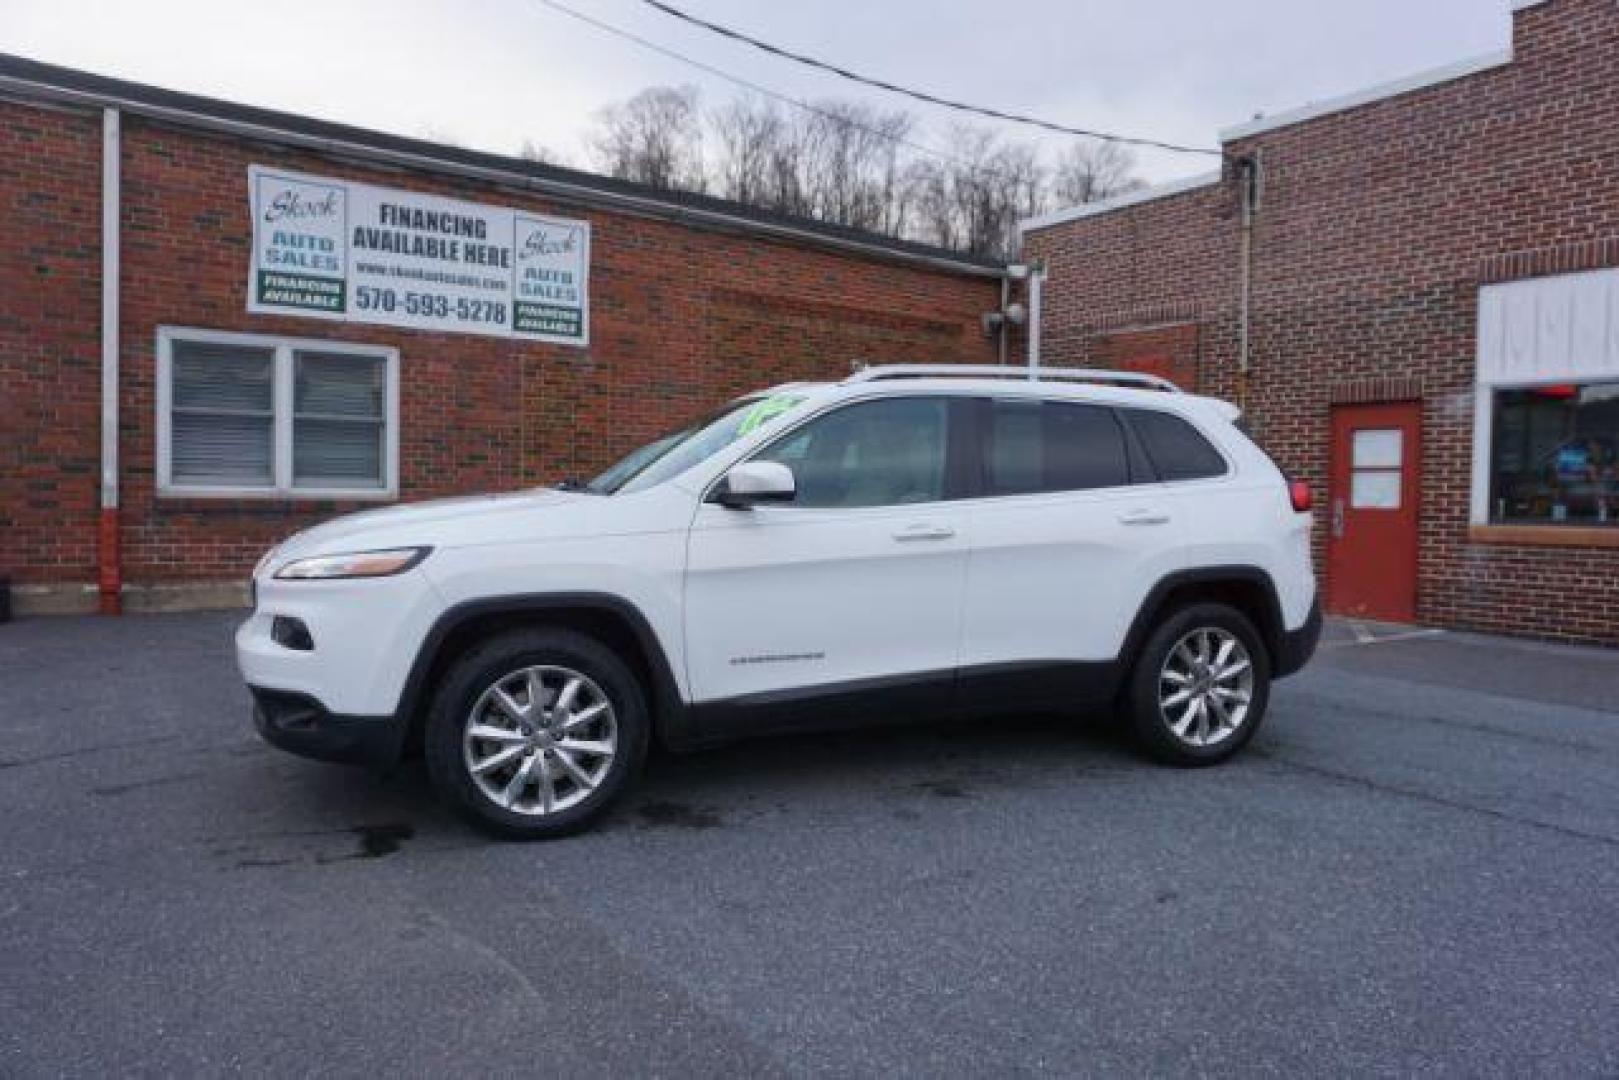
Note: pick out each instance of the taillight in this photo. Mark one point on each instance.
(1299, 492)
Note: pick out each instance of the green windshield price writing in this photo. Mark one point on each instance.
(764, 412)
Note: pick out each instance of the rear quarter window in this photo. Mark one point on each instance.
(1047, 446)
(1177, 449)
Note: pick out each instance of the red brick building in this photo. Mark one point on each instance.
(156, 435)
(1414, 291)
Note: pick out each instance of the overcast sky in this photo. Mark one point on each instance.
(490, 73)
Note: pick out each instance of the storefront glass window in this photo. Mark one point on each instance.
(1554, 457)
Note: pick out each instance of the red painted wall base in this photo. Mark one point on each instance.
(112, 575)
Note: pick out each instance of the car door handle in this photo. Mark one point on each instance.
(924, 532)
(1143, 517)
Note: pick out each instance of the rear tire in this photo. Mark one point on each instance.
(534, 733)
(1200, 686)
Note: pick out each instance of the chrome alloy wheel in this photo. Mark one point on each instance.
(1206, 686)
(540, 740)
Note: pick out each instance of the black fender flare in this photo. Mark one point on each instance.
(1272, 626)
(669, 713)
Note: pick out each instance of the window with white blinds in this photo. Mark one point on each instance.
(243, 414)
(223, 415)
(338, 420)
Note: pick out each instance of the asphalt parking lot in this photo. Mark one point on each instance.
(1414, 869)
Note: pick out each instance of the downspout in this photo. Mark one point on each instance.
(111, 570)
(1005, 324)
(1037, 280)
(1248, 175)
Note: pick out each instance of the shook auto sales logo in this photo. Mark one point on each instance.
(545, 241)
(289, 205)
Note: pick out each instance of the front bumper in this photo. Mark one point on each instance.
(364, 637)
(1298, 646)
(300, 724)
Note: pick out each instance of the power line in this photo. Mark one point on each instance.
(766, 91)
(931, 99)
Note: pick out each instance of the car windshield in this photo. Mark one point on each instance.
(678, 451)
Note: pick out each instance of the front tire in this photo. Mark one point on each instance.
(1200, 687)
(534, 733)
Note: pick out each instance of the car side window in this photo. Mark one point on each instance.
(1035, 446)
(1177, 449)
(873, 453)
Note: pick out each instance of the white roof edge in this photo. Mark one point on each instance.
(1422, 80)
(1379, 92)
(1118, 202)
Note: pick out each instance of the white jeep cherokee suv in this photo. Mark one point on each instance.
(915, 540)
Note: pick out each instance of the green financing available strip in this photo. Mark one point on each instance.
(300, 291)
(531, 318)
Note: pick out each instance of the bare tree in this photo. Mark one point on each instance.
(747, 134)
(841, 162)
(1093, 171)
(850, 164)
(540, 152)
(788, 185)
(655, 138)
(930, 195)
(974, 200)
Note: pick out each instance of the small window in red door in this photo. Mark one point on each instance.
(1375, 460)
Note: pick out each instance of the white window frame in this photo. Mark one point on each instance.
(282, 399)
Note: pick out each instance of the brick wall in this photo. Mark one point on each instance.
(1168, 351)
(50, 343)
(682, 318)
(1375, 229)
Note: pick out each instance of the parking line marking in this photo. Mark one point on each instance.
(1365, 636)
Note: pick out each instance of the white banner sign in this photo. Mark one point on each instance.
(340, 250)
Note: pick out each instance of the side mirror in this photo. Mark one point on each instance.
(754, 482)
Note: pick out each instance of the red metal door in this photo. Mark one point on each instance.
(1372, 511)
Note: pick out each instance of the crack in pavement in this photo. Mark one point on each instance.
(1358, 710)
(482, 948)
(137, 785)
(668, 986)
(1419, 795)
(1417, 679)
(62, 755)
(375, 841)
(296, 834)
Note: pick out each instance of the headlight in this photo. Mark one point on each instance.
(358, 564)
